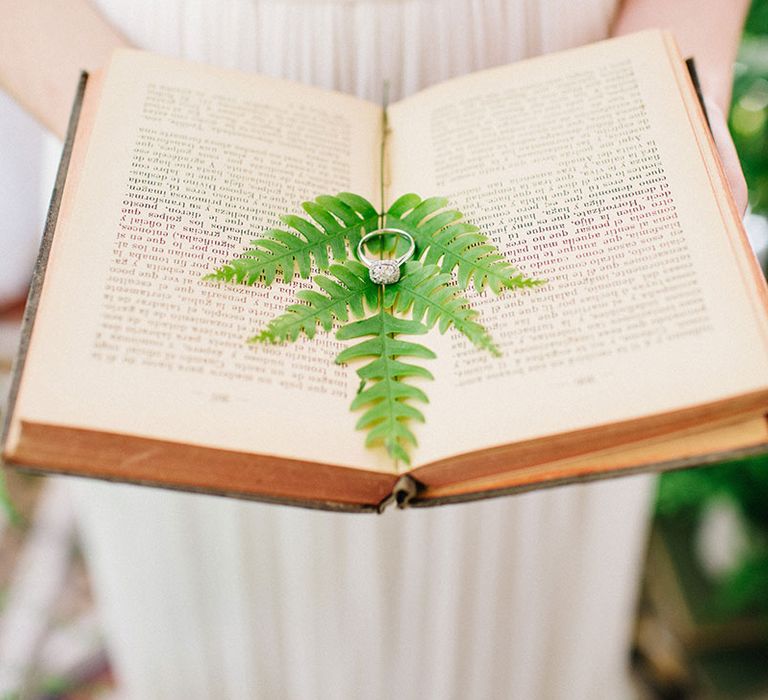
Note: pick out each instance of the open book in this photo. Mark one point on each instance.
(592, 168)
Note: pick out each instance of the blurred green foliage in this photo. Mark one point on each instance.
(684, 497)
(685, 494)
(749, 110)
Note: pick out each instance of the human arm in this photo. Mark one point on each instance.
(46, 43)
(708, 30)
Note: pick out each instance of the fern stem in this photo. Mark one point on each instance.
(383, 153)
(382, 218)
(390, 398)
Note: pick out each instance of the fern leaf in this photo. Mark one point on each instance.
(442, 238)
(446, 248)
(429, 296)
(335, 226)
(384, 395)
(343, 294)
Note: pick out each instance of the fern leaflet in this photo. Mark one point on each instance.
(442, 238)
(384, 394)
(431, 298)
(343, 294)
(337, 222)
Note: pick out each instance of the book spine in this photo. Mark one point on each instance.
(406, 488)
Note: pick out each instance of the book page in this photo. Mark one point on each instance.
(587, 170)
(185, 165)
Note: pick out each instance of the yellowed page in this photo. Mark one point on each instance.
(590, 170)
(186, 165)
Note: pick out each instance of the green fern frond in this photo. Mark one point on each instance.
(450, 255)
(336, 227)
(429, 296)
(384, 394)
(442, 238)
(344, 293)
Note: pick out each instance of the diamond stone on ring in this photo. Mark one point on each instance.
(385, 271)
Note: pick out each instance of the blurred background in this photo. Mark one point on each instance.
(702, 628)
(702, 617)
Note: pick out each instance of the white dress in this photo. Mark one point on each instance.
(519, 597)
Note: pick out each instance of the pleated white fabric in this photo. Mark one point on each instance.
(524, 597)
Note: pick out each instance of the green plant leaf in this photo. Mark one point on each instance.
(336, 225)
(431, 298)
(384, 395)
(450, 255)
(345, 293)
(443, 239)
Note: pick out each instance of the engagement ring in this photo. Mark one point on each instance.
(385, 271)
